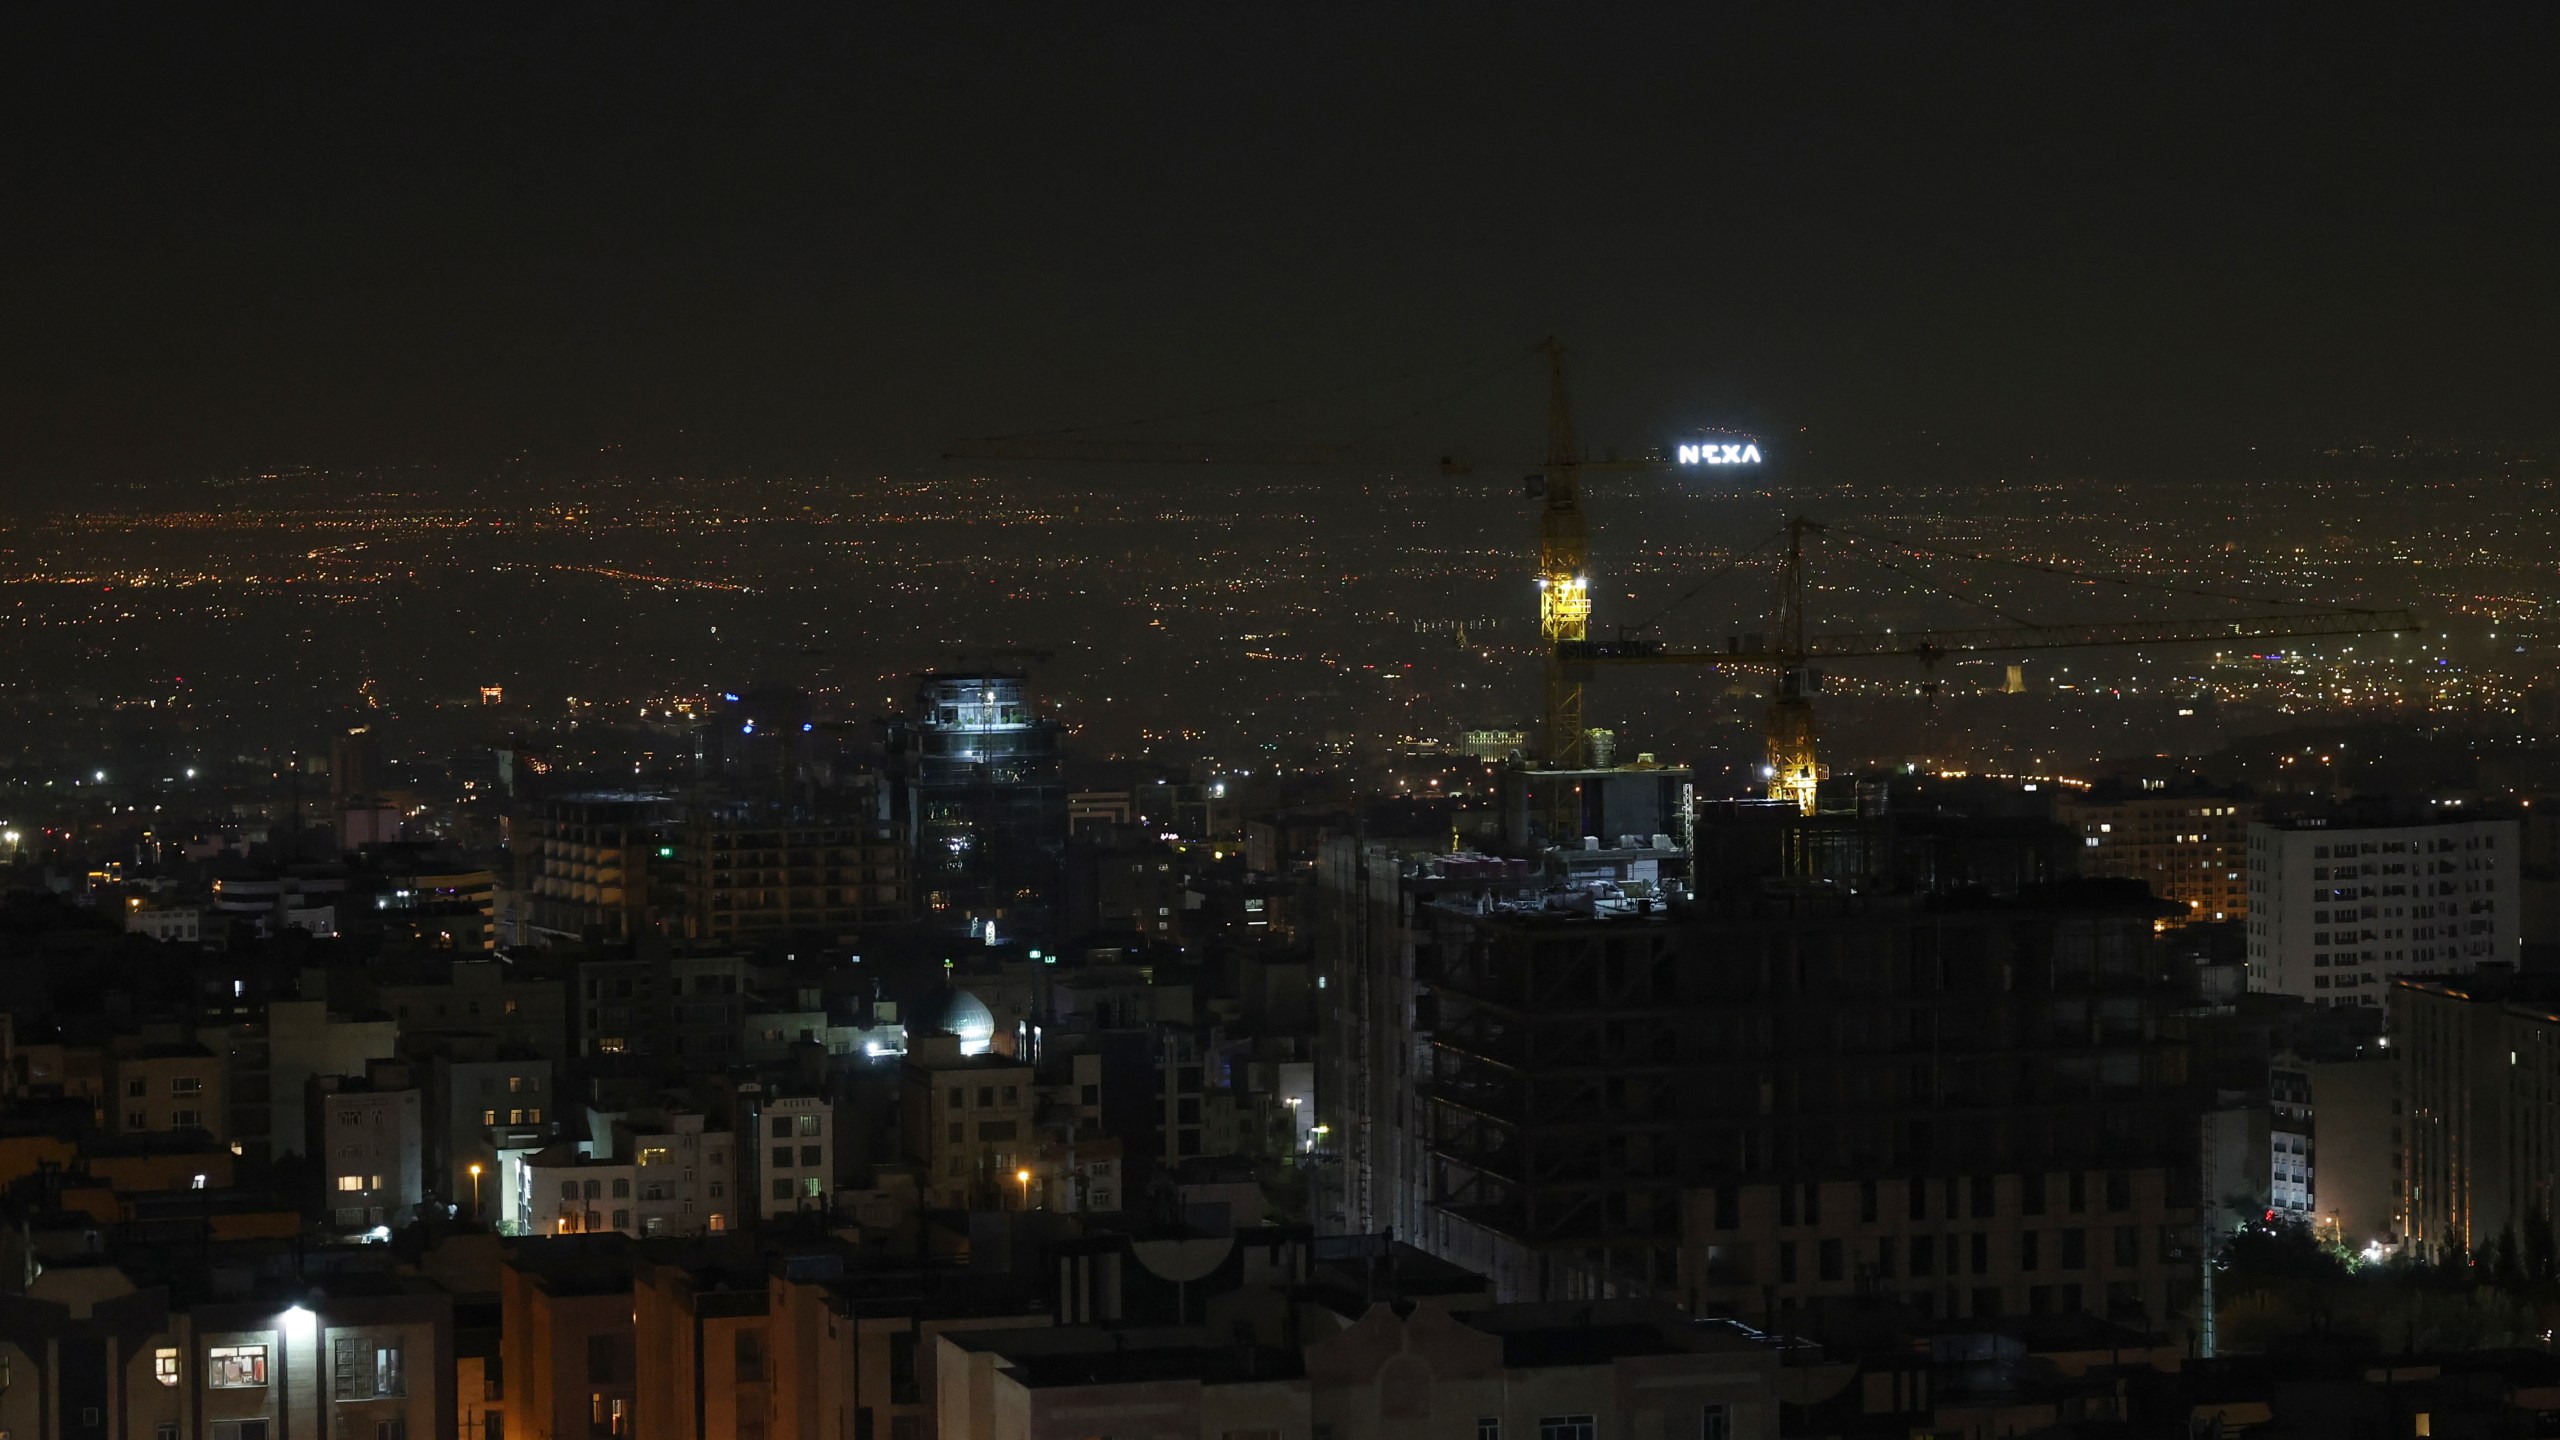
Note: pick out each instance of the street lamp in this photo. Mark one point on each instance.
(1024, 1176)
(475, 1190)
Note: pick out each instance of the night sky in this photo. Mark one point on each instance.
(835, 236)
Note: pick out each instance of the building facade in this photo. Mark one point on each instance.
(562, 1192)
(2190, 846)
(585, 863)
(978, 796)
(1757, 1105)
(2337, 912)
(126, 1362)
(372, 1136)
(483, 1107)
(792, 1148)
(2478, 1069)
(684, 1174)
(1549, 1372)
(968, 1122)
(758, 875)
(157, 1089)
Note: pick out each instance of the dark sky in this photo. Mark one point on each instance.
(838, 234)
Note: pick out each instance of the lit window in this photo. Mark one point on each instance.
(164, 1367)
(236, 1367)
(350, 1183)
(367, 1370)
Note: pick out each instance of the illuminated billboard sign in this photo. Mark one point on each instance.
(1718, 454)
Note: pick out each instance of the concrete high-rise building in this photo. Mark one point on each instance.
(2478, 1065)
(764, 873)
(2190, 844)
(2336, 911)
(978, 794)
(1770, 1102)
(584, 863)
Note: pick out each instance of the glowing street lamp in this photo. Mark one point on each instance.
(1024, 1176)
(475, 1190)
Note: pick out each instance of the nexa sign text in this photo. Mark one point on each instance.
(1719, 454)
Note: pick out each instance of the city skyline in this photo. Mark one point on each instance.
(1012, 723)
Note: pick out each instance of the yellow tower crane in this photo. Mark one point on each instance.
(1794, 771)
(1564, 575)
(1564, 534)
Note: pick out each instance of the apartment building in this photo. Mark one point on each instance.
(2189, 843)
(128, 1362)
(968, 1122)
(2337, 911)
(372, 1147)
(2477, 1062)
(156, 1089)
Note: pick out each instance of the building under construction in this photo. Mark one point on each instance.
(1750, 1105)
(977, 790)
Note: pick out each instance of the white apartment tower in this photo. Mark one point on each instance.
(2336, 911)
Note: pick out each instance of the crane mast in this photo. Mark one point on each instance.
(1793, 770)
(1564, 580)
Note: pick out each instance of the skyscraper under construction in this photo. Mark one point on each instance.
(978, 793)
(1755, 1102)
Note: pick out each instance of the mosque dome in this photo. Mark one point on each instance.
(968, 1017)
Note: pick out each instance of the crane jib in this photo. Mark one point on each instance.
(1928, 644)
